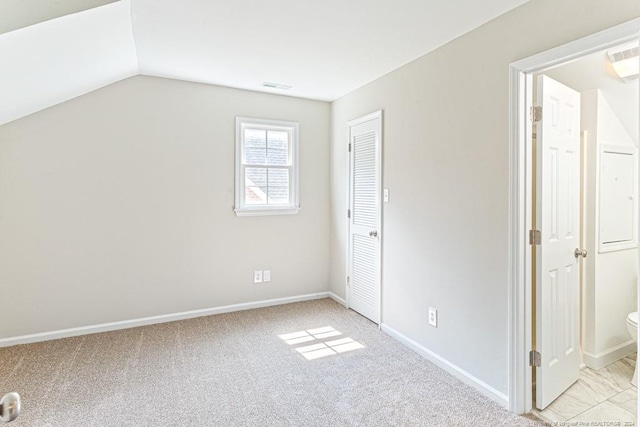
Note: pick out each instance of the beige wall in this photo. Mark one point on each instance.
(446, 163)
(118, 205)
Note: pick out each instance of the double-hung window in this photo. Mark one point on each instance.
(266, 167)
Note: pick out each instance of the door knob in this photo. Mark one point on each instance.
(9, 407)
(373, 233)
(580, 253)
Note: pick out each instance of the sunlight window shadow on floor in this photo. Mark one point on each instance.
(321, 349)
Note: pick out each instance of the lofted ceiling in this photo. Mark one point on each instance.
(322, 49)
(15, 14)
(53, 61)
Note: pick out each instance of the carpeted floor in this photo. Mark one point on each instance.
(306, 364)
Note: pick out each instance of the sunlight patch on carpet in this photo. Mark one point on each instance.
(321, 349)
(309, 335)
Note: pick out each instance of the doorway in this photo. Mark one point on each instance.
(365, 216)
(585, 191)
(521, 268)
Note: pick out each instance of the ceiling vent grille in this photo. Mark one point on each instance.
(626, 61)
(624, 54)
(270, 85)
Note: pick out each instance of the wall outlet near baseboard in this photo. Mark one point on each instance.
(266, 276)
(433, 317)
(257, 276)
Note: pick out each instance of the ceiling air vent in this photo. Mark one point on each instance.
(626, 61)
(270, 85)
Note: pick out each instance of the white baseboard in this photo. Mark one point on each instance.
(464, 376)
(610, 355)
(125, 324)
(337, 299)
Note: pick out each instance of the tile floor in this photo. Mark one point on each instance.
(598, 396)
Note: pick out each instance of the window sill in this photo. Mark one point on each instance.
(267, 211)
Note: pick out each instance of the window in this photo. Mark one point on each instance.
(266, 167)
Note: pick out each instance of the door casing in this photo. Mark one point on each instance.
(520, 197)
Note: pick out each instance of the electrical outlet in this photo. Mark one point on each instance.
(266, 276)
(433, 317)
(386, 195)
(257, 276)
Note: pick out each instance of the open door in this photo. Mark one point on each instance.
(557, 254)
(365, 139)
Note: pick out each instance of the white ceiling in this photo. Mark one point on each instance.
(323, 49)
(51, 62)
(16, 14)
(595, 72)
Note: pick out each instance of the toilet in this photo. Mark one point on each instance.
(632, 327)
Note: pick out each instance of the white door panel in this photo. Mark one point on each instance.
(364, 223)
(558, 216)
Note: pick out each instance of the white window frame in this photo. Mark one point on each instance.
(243, 209)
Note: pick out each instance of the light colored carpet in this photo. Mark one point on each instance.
(236, 370)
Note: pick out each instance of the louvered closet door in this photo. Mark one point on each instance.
(365, 233)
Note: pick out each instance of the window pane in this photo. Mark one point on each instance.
(278, 195)
(255, 138)
(277, 157)
(278, 177)
(255, 177)
(255, 195)
(266, 165)
(255, 156)
(278, 139)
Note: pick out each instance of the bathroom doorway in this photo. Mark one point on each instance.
(585, 197)
(522, 234)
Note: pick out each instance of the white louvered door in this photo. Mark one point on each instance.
(365, 215)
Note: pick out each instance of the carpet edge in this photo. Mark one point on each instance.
(464, 376)
(152, 320)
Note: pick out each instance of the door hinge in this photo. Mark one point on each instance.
(535, 359)
(535, 114)
(535, 237)
(348, 278)
(349, 147)
(349, 213)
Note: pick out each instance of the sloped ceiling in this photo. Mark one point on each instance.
(323, 49)
(595, 72)
(15, 14)
(57, 60)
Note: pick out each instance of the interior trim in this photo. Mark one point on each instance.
(519, 268)
(610, 355)
(152, 320)
(339, 300)
(464, 376)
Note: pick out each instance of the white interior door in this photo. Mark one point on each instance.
(558, 217)
(365, 137)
